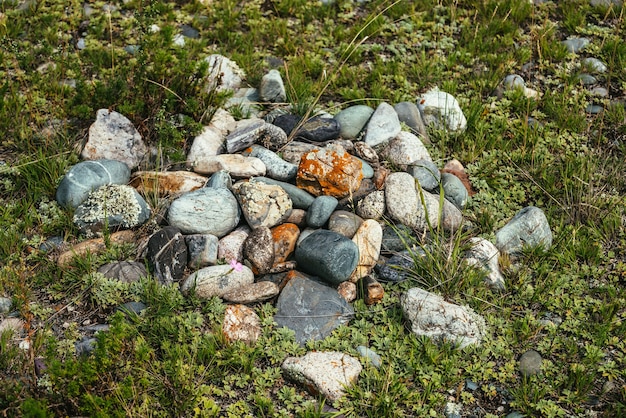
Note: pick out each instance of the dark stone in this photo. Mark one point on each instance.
(409, 113)
(167, 254)
(202, 250)
(131, 308)
(51, 244)
(328, 255)
(311, 309)
(189, 32)
(85, 346)
(319, 129)
(287, 122)
(396, 238)
(396, 269)
(124, 271)
(320, 210)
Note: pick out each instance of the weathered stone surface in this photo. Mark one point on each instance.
(530, 363)
(404, 149)
(14, 325)
(262, 204)
(441, 109)
(166, 183)
(202, 250)
(452, 217)
(252, 293)
(298, 217)
(241, 324)
(246, 133)
(223, 73)
(397, 268)
(328, 255)
(402, 202)
(217, 280)
(330, 171)
(484, 255)
(327, 373)
(112, 136)
(230, 247)
(454, 190)
(529, 227)
(208, 144)
(348, 291)
(276, 167)
(205, 211)
(370, 355)
(383, 126)
(87, 176)
(167, 255)
(396, 238)
(299, 198)
(431, 316)
(353, 119)
(575, 45)
(258, 249)
(295, 150)
(368, 239)
(287, 122)
(409, 113)
(366, 153)
(426, 173)
(345, 223)
(124, 271)
(373, 292)
(220, 180)
(285, 237)
(235, 164)
(311, 309)
(94, 246)
(372, 206)
(320, 210)
(319, 129)
(272, 88)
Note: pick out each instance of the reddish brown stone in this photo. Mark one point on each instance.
(373, 292)
(285, 237)
(330, 171)
(347, 290)
(94, 246)
(241, 324)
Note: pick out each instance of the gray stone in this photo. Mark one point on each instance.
(484, 255)
(246, 133)
(431, 316)
(300, 199)
(575, 45)
(124, 271)
(396, 238)
(235, 164)
(209, 143)
(366, 169)
(383, 126)
(112, 136)
(594, 109)
(372, 206)
(258, 250)
(599, 92)
(397, 268)
(202, 250)
(404, 149)
(205, 211)
(513, 82)
(594, 65)
(189, 32)
(452, 217)
(272, 87)
(605, 3)
(223, 74)
(276, 167)
(319, 129)
(131, 308)
(328, 255)
(85, 346)
(352, 120)
(87, 176)
(409, 113)
(442, 110)
(262, 204)
(453, 410)
(370, 356)
(51, 244)
(530, 363)
(5, 305)
(587, 79)
(293, 151)
(246, 101)
(426, 173)
(220, 180)
(167, 255)
(217, 280)
(345, 223)
(454, 190)
(323, 372)
(320, 210)
(516, 414)
(252, 293)
(311, 309)
(402, 202)
(529, 227)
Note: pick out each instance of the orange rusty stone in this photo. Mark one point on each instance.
(329, 171)
(285, 237)
(241, 324)
(166, 183)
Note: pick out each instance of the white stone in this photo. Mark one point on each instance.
(484, 255)
(441, 109)
(372, 206)
(368, 238)
(208, 144)
(241, 324)
(401, 200)
(235, 164)
(217, 280)
(223, 74)
(404, 149)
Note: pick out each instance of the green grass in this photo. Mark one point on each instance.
(567, 302)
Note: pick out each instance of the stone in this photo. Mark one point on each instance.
(404, 149)
(262, 204)
(166, 183)
(86, 176)
(575, 45)
(320, 210)
(205, 211)
(367, 170)
(319, 129)
(245, 133)
(344, 223)
(326, 373)
(396, 238)
(426, 173)
(51, 244)
(276, 167)
(484, 255)
(442, 110)
(258, 249)
(298, 217)
(223, 74)
(5, 305)
(252, 293)
(397, 268)
(587, 79)
(295, 150)
(112, 136)
(370, 356)
(513, 82)
(528, 228)
(452, 217)
(366, 153)
(454, 190)
(230, 247)
(310, 308)
(372, 291)
(202, 250)
(348, 291)
(383, 126)
(330, 171)
(235, 164)
(241, 323)
(299, 198)
(222, 122)
(285, 237)
(402, 202)
(287, 122)
(208, 144)
(455, 167)
(530, 363)
(131, 308)
(372, 206)
(111, 207)
(368, 238)
(85, 346)
(409, 113)
(14, 325)
(94, 246)
(272, 88)
(246, 102)
(352, 120)
(217, 280)
(328, 255)
(431, 316)
(124, 271)
(167, 255)
(220, 180)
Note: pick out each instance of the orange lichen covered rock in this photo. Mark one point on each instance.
(285, 237)
(329, 171)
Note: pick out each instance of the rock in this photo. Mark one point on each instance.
(112, 136)
(235, 164)
(241, 324)
(284, 237)
(262, 204)
(298, 217)
(409, 113)
(319, 129)
(287, 122)
(383, 126)
(124, 271)
(453, 410)
(347, 290)
(205, 211)
(429, 315)
(372, 206)
(352, 120)
(202, 250)
(529, 227)
(276, 167)
(299, 198)
(441, 109)
(513, 82)
(295, 150)
(220, 180)
(326, 373)
(51, 244)
(111, 207)
(311, 309)
(404, 149)
(15, 325)
(255, 131)
(396, 238)
(94, 246)
(454, 190)
(530, 363)
(328, 255)
(222, 122)
(452, 217)
(484, 255)
(87, 176)
(5, 305)
(587, 79)
(370, 356)
(167, 255)
(368, 238)
(223, 74)
(320, 210)
(605, 3)
(131, 308)
(366, 153)
(231, 246)
(397, 268)
(208, 144)
(594, 65)
(575, 45)
(258, 249)
(166, 183)
(426, 173)
(372, 291)
(85, 346)
(402, 202)
(217, 280)
(252, 293)
(330, 171)
(272, 87)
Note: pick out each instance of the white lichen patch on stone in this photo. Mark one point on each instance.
(111, 200)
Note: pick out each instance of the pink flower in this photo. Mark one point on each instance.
(237, 266)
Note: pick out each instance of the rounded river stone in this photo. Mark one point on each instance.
(328, 255)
